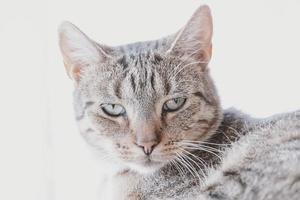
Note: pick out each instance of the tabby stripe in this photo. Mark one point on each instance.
(157, 59)
(132, 81)
(167, 87)
(131, 56)
(152, 81)
(203, 121)
(89, 130)
(231, 173)
(199, 94)
(211, 123)
(117, 89)
(123, 62)
(146, 74)
(141, 61)
(86, 105)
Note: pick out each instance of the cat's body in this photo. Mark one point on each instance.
(260, 161)
(151, 112)
(263, 164)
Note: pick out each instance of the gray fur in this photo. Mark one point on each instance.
(204, 152)
(262, 164)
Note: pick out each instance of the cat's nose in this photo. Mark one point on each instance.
(147, 135)
(147, 146)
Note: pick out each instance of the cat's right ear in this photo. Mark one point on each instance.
(78, 50)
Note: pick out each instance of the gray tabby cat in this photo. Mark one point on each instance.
(151, 112)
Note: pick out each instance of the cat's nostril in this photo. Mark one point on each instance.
(147, 147)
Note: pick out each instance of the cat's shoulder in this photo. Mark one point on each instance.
(268, 154)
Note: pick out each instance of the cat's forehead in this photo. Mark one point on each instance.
(143, 76)
(142, 59)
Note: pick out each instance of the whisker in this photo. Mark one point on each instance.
(193, 168)
(204, 142)
(184, 164)
(198, 158)
(234, 131)
(222, 132)
(203, 148)
(200, 168)
(181, 173)
(180, 167)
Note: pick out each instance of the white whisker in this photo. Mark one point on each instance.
(202, 148)
(200, 168)
(184, 164)
(193, 168)
(204, 142)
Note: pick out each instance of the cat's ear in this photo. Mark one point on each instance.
(78, 50)
(194, 39)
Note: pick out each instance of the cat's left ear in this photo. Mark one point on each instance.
(78, 50)
(194, 39)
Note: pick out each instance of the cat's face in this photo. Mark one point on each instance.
(141, 104)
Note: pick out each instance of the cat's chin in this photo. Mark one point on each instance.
(146, 167)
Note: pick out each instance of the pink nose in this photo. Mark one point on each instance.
(147, 146)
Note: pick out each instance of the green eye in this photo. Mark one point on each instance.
(113, 110)
(174, 104)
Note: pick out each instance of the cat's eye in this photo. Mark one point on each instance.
(174, 104)
(113, 110)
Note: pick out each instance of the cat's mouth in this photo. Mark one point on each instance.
(148, 162)
(146, 165)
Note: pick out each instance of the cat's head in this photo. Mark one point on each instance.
(143, 105)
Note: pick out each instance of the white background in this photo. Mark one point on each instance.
(255, 64)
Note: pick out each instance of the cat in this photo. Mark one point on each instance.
(151, 112)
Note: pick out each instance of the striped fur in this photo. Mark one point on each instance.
(203, 152)
(260, 161)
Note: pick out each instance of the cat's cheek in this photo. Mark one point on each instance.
(107, 126)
